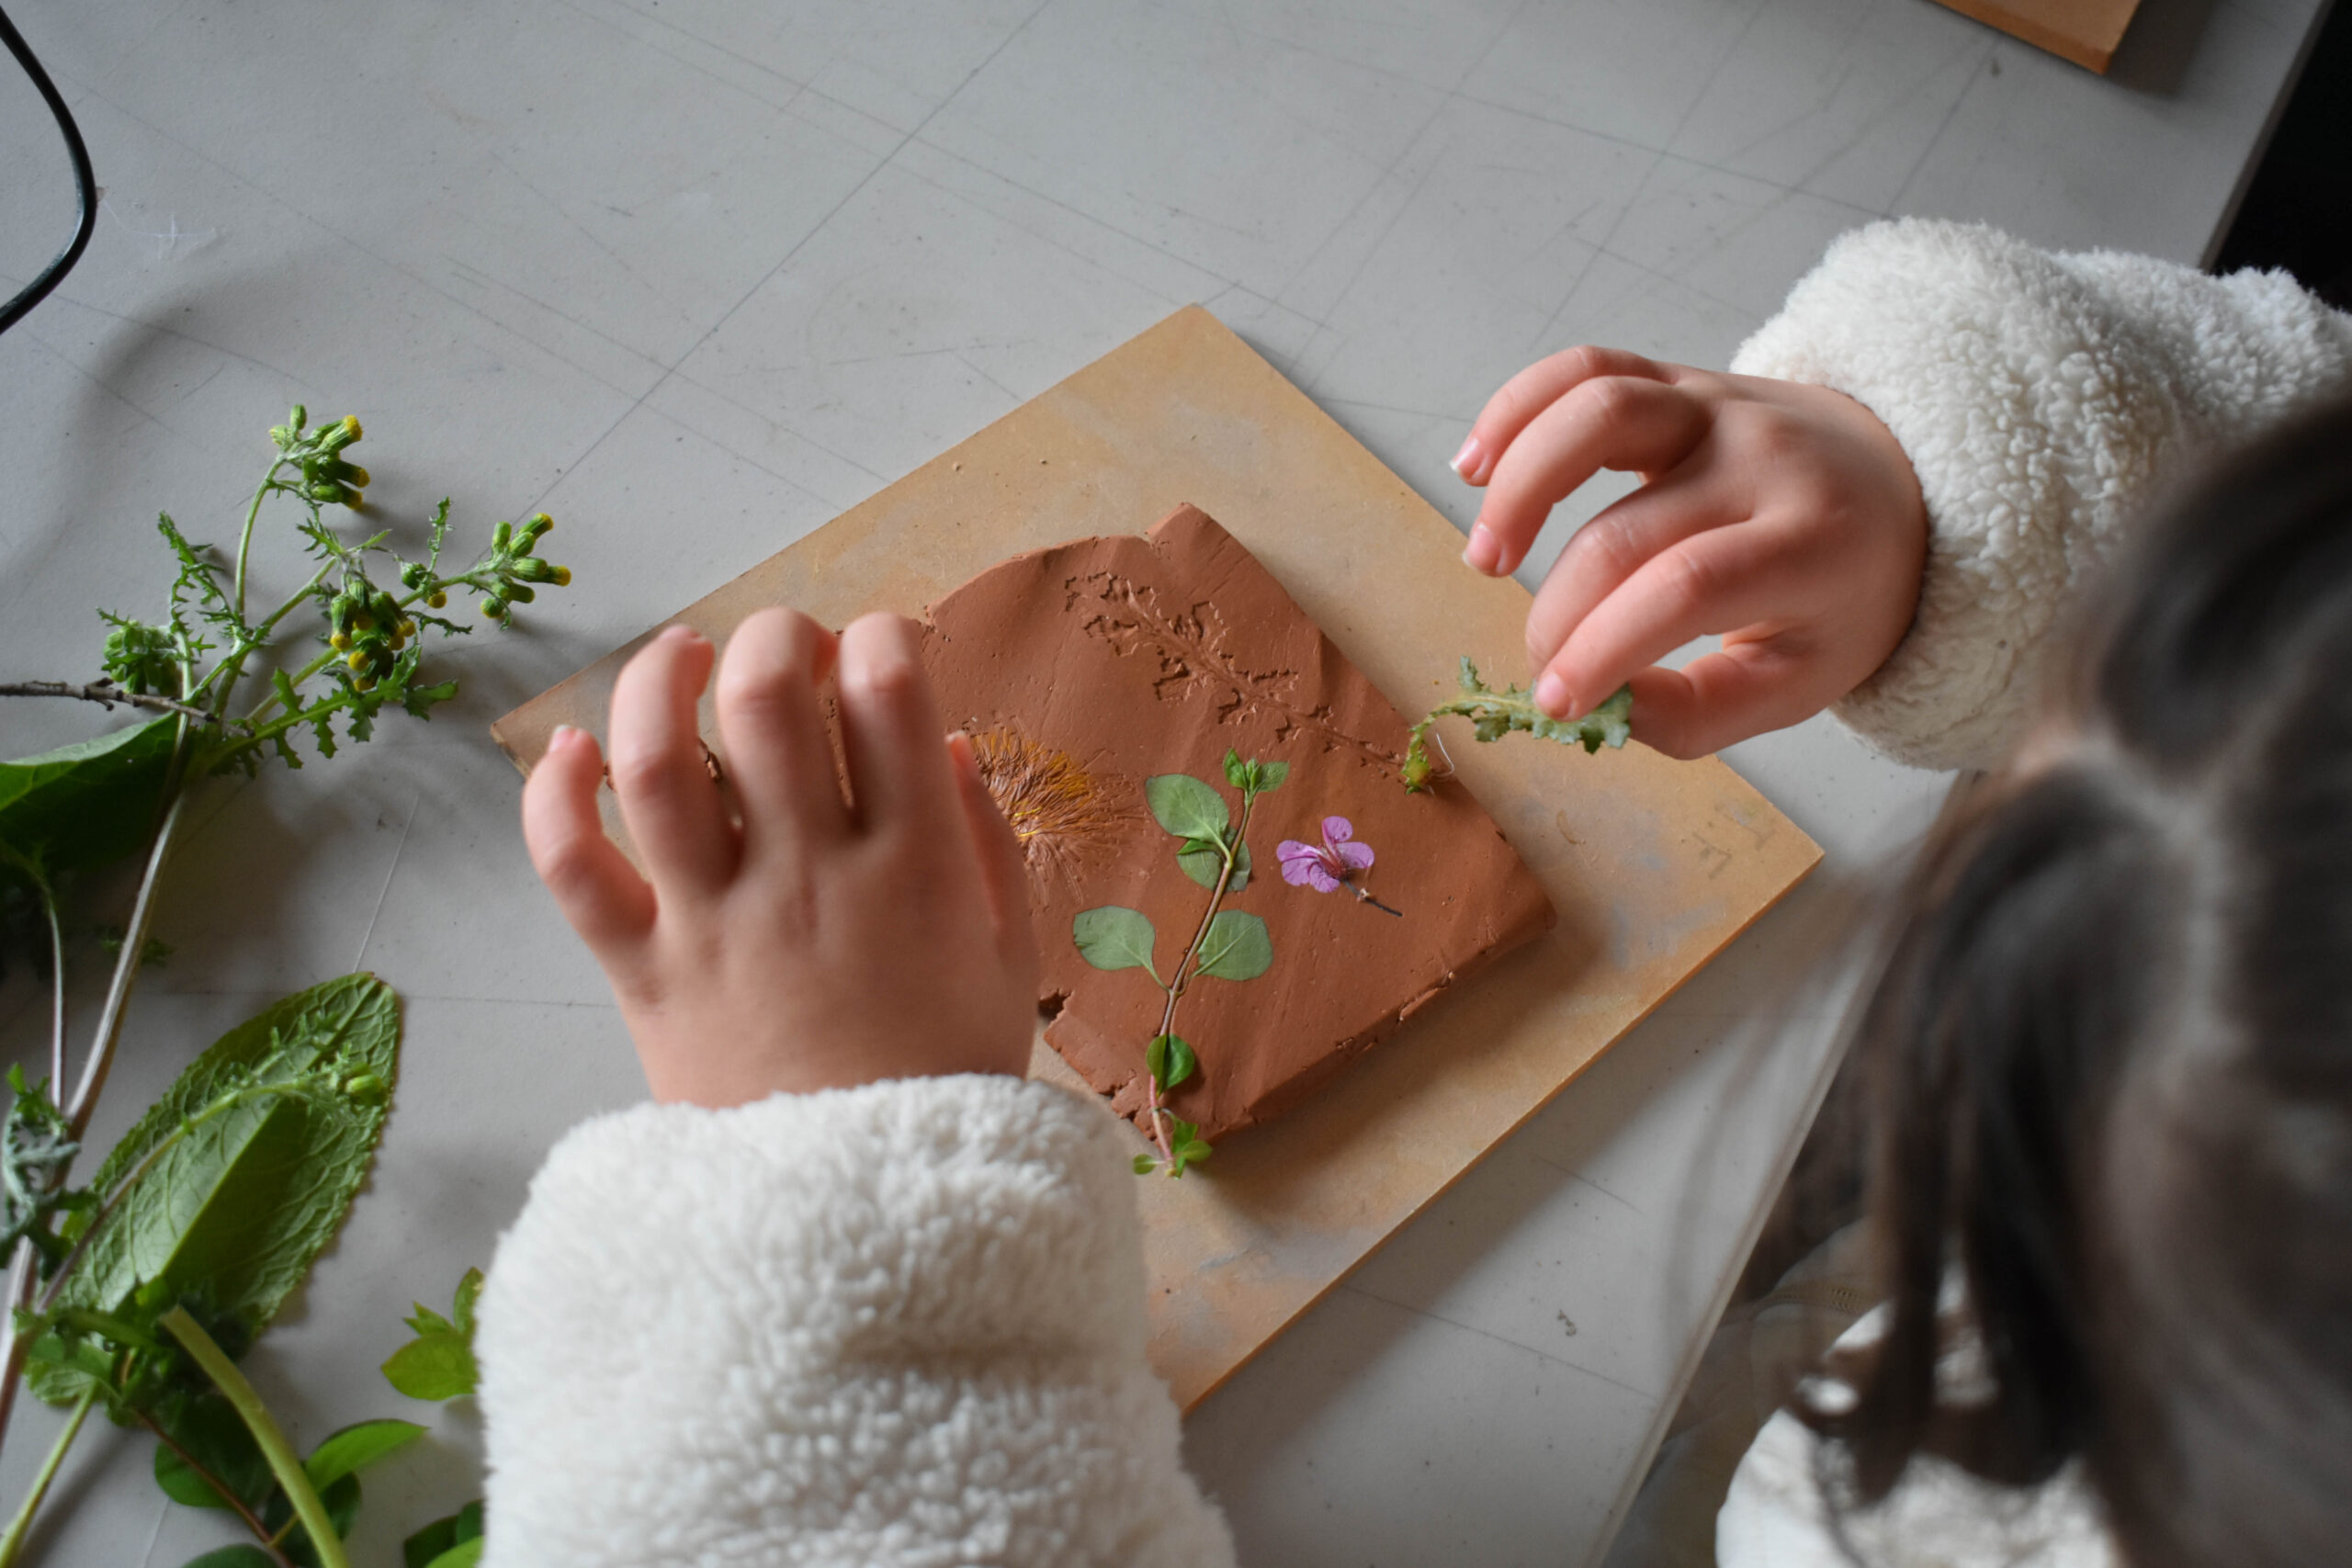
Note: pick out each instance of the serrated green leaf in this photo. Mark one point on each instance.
(1235, 947)
(88, 804)
(439, 1365)
(357, 1447)
(1203, 861)
(1186, 806)
(234, 1211)
(1114, 937)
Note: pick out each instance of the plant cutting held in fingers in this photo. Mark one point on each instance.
(1494, 715)
(1227, 945)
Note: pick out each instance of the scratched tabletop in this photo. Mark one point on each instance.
(698, 275)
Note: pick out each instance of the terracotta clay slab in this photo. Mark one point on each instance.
(1088, 668)
(2085, 32)
(1652, 864)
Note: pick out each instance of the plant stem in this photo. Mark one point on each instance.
(1175, 988)
(23, 1279)
(237, 1504)
(126, 967)
(12, 1543)
(245, 539)
(283, 1463)
(106, 693)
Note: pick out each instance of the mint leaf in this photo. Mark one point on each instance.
(1235, 947)
(438, 1365)
(1186, 806)
(356, 1446)
(1114, 937)
(234, 1211)
(424, 1320)
(468, 1292)
(209, 1428)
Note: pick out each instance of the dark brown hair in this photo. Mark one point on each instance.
(2107, 1057)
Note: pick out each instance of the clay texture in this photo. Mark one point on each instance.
(1085, 669)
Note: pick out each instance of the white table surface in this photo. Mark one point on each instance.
(696, 276)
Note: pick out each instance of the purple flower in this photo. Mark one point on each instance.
(1326, 865)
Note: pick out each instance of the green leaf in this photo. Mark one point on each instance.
(234, 1211)
(87, 804)
(468, 1292)
(1170, 1060)
(1202, 861)
(233, 1557)
(1494, 715)
(1237, 772)
(424, 1320)
(1114, 937)
(438, 1365)
(1235, 947)
(209, 1428)
(342, 1500)
(1186, 806)
(1144, 1164)
(1270, 778)
(428, 1546)
(465, 1554)
(357, 1447)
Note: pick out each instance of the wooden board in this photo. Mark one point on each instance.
(1653, 864)
(2085, 32)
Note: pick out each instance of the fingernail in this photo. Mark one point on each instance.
(1552, 696)
(565, 735)
(681, 634)
(1484, 552)
(1471, 460)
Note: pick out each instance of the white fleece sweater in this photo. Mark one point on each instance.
(903, 1324)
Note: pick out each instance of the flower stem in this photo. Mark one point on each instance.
(1176, 988)
(267, 1437)
(12, 1545)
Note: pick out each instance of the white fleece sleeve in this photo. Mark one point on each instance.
(893, 1325)
(2045, 400)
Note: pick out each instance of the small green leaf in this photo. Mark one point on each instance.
(424, 1320)
(357, 1447)
(465, 1554)
(1114, 937)
(1186, 806)
(435, 1540)
(1237, 773)
(468, 1292)
(1170, 1060)
(1145, 1164)
(207, 1427)
(1202, 861)
(438, 1365)
(1235, 947)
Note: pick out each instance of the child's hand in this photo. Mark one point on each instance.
(815, 945)
(1784, 516)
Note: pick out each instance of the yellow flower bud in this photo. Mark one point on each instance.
(439, 600)
(351, 423)
(340, 641)
(365, 682)
(562, 576)
(358, 660)
(407, 628)
(357, 475)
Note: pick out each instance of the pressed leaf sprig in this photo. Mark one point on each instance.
(1494, 715)
(1227, 944)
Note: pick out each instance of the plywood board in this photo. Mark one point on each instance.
(2085, 32)
(1653, 864)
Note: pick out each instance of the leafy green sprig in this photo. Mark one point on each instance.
(1227, 944)
(1494, 715)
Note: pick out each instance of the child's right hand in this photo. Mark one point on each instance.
(814, 944)
(1784, 516)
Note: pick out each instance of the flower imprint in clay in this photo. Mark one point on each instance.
(1330, 866)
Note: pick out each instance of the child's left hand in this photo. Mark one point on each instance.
(814, 944)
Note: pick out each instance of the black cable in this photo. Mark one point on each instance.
(33, 293)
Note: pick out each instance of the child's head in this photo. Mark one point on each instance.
(2110, 1053)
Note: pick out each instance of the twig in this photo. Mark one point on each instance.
(1176, 989)
(13, 1542)
(106, 693)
